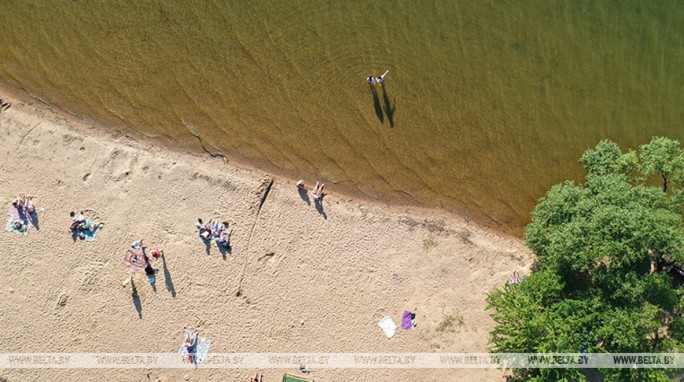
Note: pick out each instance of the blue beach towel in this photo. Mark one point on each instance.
(88, 234)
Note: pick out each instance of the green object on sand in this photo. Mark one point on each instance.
(292, 378)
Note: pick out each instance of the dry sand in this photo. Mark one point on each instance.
(331, 278)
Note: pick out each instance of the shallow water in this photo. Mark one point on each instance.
(486, 104)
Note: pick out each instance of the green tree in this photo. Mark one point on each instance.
(601, 280)
(607, 158)
(664, 157)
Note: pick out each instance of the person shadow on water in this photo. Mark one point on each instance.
(384, 107)
(376, 104)
(389, 108)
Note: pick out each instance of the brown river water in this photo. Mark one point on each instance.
(485, 106)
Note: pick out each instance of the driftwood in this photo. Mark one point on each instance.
(4, 105)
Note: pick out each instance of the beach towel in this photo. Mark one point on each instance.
(15, 214)
(388, 326)
(203, 345)
(135, 260)
(406, 320)
(295, 378)
(197, 353)
(89, 235)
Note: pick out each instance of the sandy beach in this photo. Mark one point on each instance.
(310, 280)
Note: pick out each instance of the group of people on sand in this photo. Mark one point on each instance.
(25, 203)
(377, 80)
(317, 192)
(150, 271)
(214, 230)
(23, 210)
(80, 226)
(23, 214)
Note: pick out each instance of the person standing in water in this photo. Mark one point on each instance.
(381, 79)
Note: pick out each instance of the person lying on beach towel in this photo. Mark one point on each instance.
(17, 226)
(22, 215)
(87, 230)
(188, 348)
(82, 227)
(135, 260)
(18, 220)
(194, 349)
(214, 233)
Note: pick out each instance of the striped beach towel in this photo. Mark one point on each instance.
(135, 260)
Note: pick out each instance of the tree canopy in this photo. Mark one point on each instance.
(604, 279)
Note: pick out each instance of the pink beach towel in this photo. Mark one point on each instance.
(135, 260)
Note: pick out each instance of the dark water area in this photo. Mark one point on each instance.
(485, 106)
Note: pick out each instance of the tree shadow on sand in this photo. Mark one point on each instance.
(389, 108)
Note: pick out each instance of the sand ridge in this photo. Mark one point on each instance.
(312, 281)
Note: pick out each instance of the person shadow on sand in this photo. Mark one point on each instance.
(317, 194)
(167, 278)
(301, 189)
(134, 296)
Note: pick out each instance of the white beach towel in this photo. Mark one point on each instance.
(203, 345)
(388, 326)
(199, 349)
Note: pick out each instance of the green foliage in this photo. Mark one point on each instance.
(662, 156)
(603, 250)
(607, 158)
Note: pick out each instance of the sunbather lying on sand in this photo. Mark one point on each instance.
(80, 225)
(19, 225)
(188, 347)
(24, 202)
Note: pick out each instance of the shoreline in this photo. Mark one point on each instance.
(345, 192)
(313, 280)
